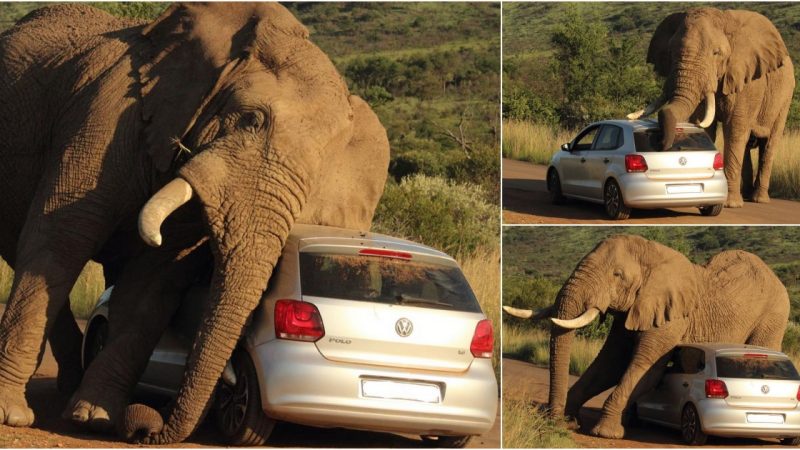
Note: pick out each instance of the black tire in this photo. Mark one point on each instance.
(713, 210)
(446, 441)
(794, 441)
(96, 339)
(691, 430)
(613, 201)
(554, 187)
(237, 409)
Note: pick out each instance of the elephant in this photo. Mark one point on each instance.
(658, 299)
(730, 67)
(149, 148)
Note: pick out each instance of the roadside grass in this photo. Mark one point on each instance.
(536, 143)
(482, 270)
(525, 426)
(533, 345)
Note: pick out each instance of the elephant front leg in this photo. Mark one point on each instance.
(735, 143)
(65, 342)
(651, 348)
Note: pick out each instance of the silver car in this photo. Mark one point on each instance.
(620, 164)
(357, 330)
(730, 390)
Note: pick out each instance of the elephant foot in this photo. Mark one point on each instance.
(14, 410)
(734, 201)
(761, 196)
(96, 414)
(608, 428)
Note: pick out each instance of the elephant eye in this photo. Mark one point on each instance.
(618, 273)
(251, 121)
(717, 52)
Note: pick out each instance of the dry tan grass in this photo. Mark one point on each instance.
(525, 426)
(533, 345)
(482, 269)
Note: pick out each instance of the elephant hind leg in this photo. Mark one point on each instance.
(748, 183)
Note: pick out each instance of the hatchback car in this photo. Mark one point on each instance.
(620, 163)
(730, 390)
(356, 330)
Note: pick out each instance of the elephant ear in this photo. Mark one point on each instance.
(188, 53)
(668, 291)
(353, 177)
(756, 49)
(658, 54)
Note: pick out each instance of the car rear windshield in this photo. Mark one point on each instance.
(756, 366)
(685, 140)
(385, 280)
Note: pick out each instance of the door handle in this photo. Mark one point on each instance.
(583, 160)
(606, 160)
(685, 384)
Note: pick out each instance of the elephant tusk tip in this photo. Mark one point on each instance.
(635, 115)
(152, 241)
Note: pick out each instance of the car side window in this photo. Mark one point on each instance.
(610, 138)
(674, 363)
(693, 360)
(584, 140)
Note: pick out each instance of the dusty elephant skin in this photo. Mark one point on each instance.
(730, 67)
(658, 299)
(226, 109)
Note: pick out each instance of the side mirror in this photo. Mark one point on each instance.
(565, 147)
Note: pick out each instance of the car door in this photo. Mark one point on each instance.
(597, 159)
(692, 363)
(574, 177)
(654, 405)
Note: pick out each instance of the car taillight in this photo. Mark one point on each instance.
(635, 163)
(483, 340)
(798, 394)
(298, 321)
(719, 164)
(716, 389)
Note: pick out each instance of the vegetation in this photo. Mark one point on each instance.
(527, 426)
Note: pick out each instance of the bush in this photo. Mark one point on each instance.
(453, 217)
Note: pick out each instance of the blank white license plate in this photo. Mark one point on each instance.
(398, 390)
(684, 188)
(765, 418)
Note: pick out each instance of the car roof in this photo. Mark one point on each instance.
(303, 235)
(733, 348)
(642, 124)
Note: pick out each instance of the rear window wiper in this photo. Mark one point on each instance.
(403, 299)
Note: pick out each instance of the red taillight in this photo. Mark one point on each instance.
(635, 163)
(483, 340)
(716, 389)
(719, 164)
(298, 321)
(798, 394)
(384, 253)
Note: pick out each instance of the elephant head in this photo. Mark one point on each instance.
(705, 53)
(259, 129)
(632, 277)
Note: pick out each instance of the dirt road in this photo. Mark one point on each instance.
(50, 430)
(524, 381)
(525, 201)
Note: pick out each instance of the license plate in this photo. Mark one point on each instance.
(684, 188)
(765, 418)
(400, 390)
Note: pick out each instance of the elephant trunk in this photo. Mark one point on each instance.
(560, 345)
(689, 86)
(247, 237)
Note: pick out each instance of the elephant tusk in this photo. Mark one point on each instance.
(163, 203)
(654, 106)
(581, 321)
(711, 110)
(529, 313)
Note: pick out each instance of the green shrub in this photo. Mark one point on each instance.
(453, 217)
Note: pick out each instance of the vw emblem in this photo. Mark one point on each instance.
(682, 160)
(403, 327)
(765, 389)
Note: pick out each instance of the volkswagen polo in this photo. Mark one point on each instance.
(356, 330)
(731, 390)
(620, 164)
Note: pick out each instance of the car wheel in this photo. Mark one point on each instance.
(237, 408)
(554, 187)
(713, 210)
(690, 426)
(795, 441)
(96, 339)
(615, 205)
(446, 441)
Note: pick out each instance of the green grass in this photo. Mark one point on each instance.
(526, 426)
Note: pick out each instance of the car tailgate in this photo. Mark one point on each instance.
(396, 335)
(761, 394)
(680, 165)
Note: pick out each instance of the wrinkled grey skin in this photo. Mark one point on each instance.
(93, 108)
(658, 299)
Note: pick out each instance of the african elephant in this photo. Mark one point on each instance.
(658, 299)
(218, 123)
(730, 67)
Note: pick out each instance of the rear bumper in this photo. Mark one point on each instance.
(719, 419)
(314, 391)
(638, 191)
